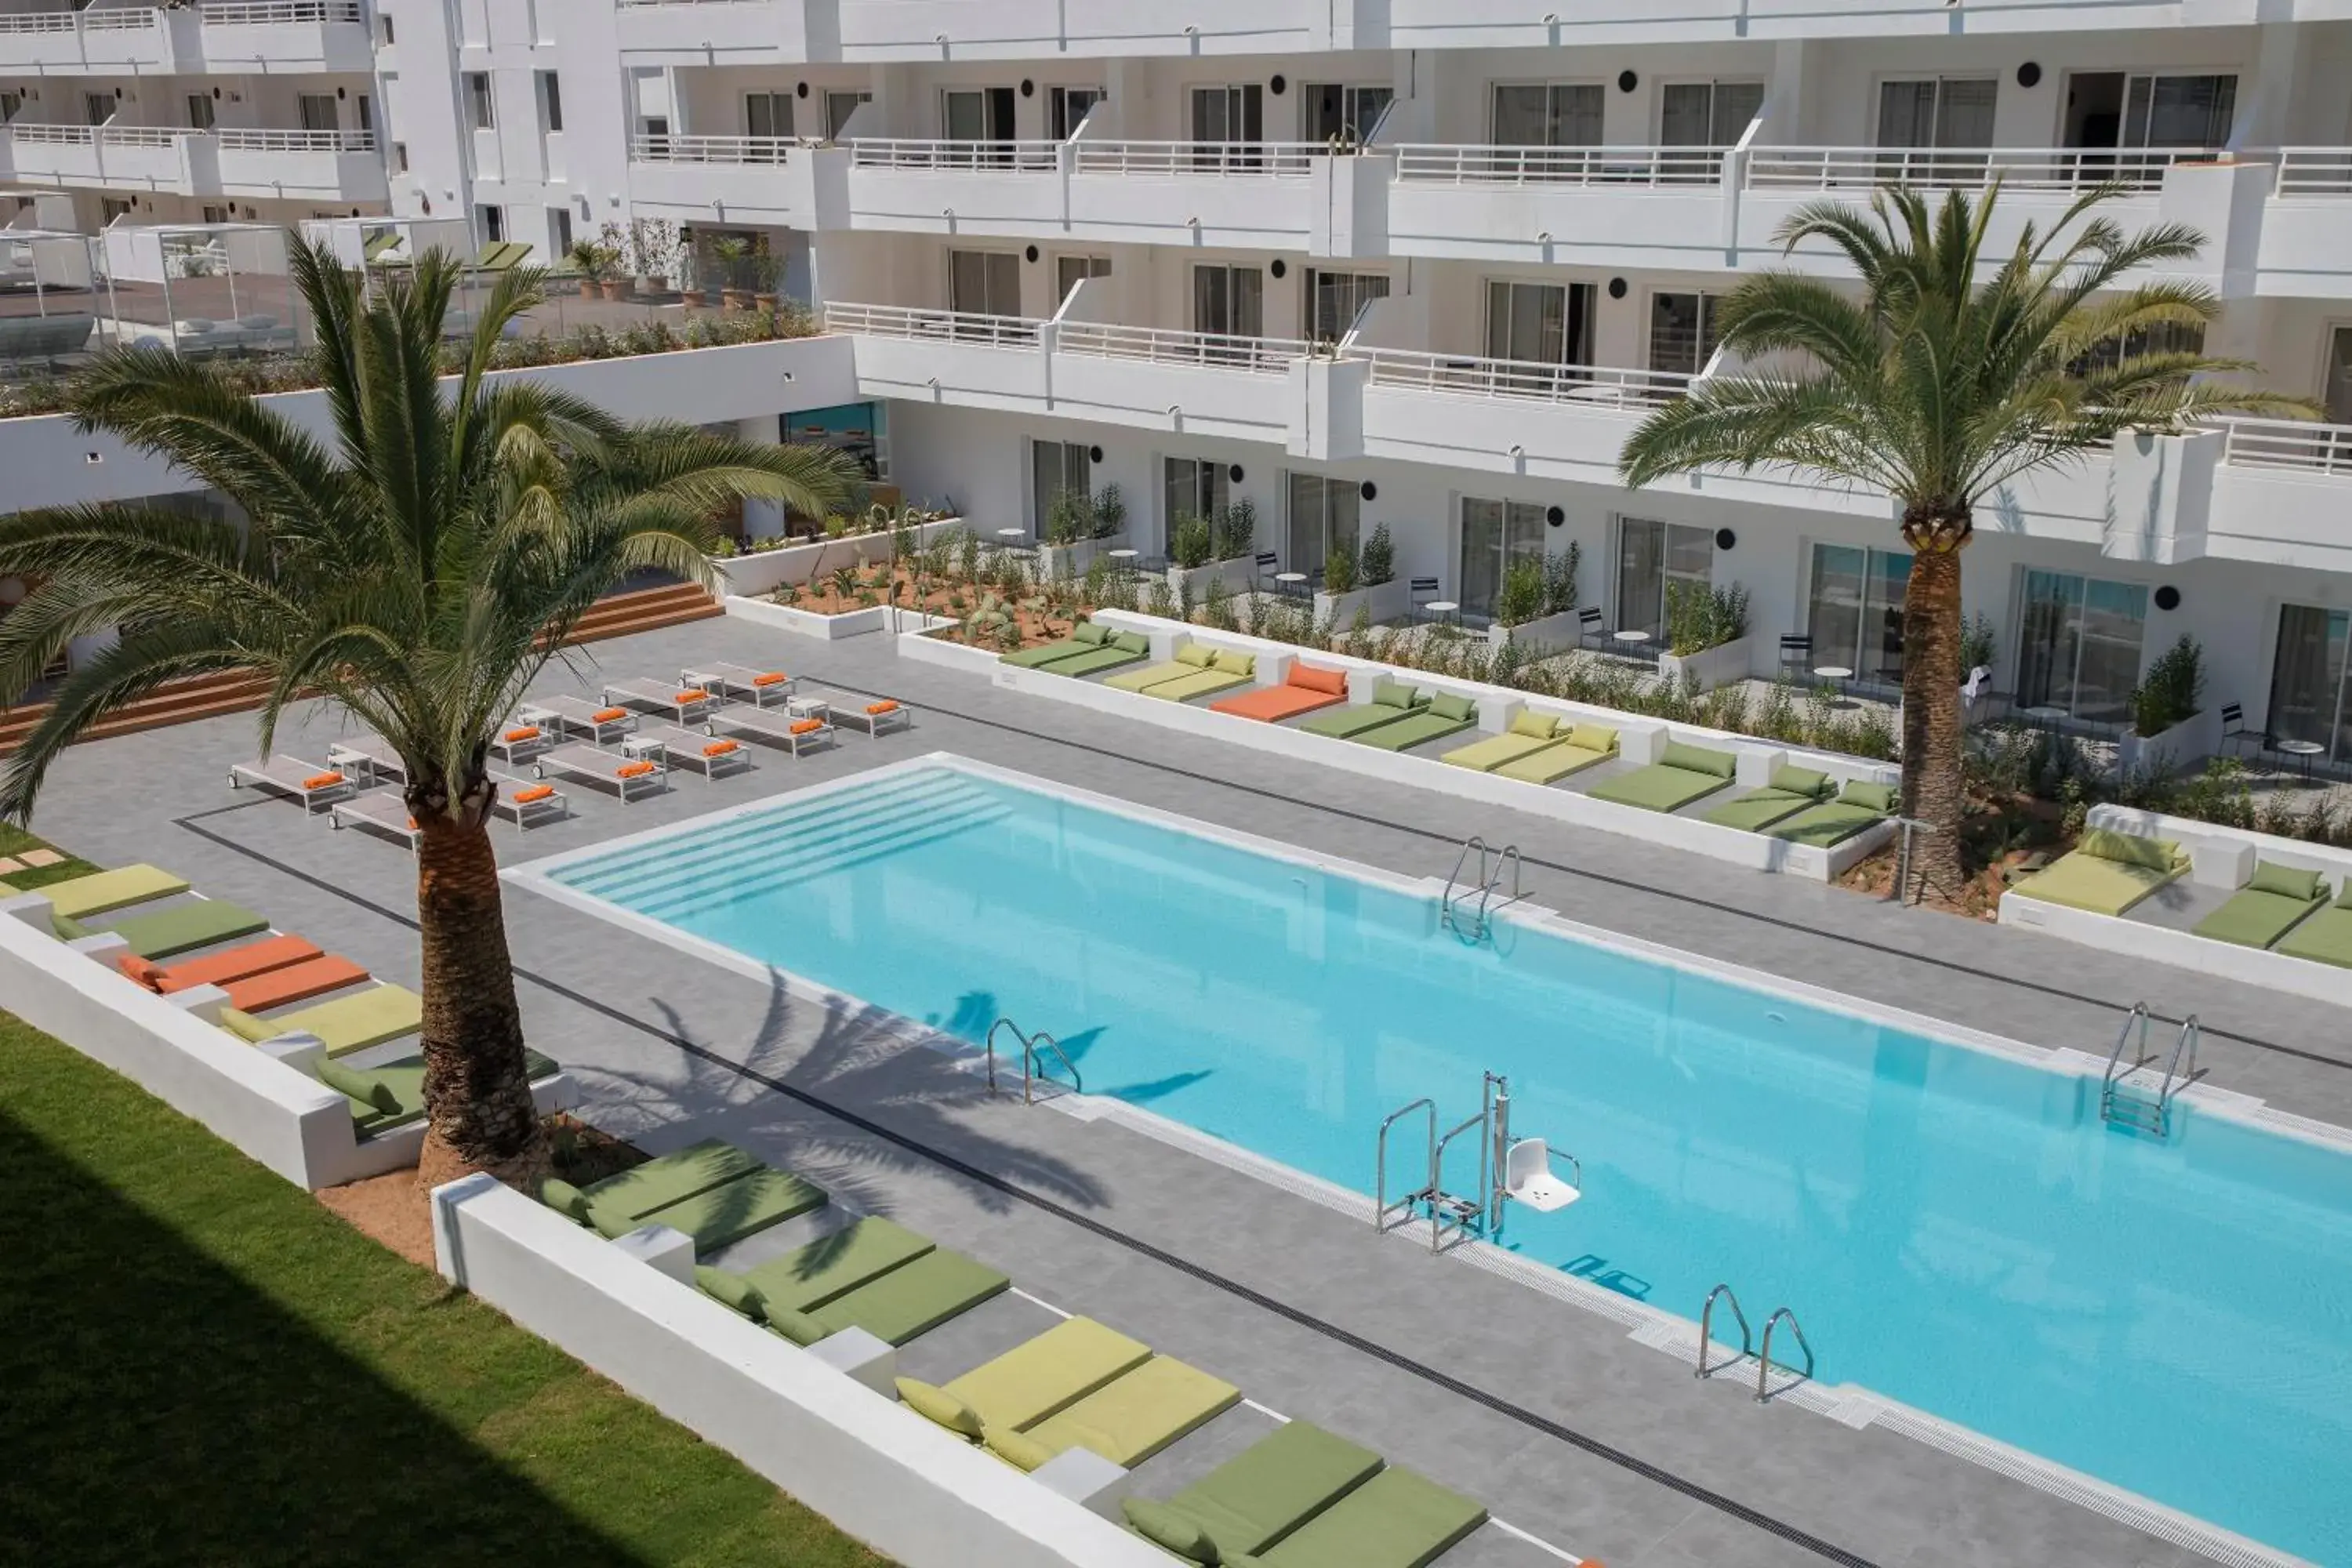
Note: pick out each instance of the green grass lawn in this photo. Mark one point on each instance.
(15, 841)
(200, 1364)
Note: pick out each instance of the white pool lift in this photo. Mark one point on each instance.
(1510, 1170)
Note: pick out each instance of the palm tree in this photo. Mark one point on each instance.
(1939, 389)
(418, 567)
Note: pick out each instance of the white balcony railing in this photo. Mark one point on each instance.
(277, 12)
(1179, 158)
(2287, 444)
(943, 326)
(1460, 376)
(1634, 166)
(108, 21)
(977, 157)
(2019, 168)
(237, 141)
(2314, 171)
(1217, 350)
(744, 149)
(97, 135)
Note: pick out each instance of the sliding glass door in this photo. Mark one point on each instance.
(1324, 515)
(2307, 699)
(2079, 646)
(1056, 468)
(1650, 555)
(1496, 536)
(1855, 613)
(1539, 324)
(985, 282)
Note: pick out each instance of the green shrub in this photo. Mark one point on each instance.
(1378, 562)
(1340, 569)
(1110, 513)
(1522, 597)
(1699, 617)
(1192, 542)
(1237, 531)
(1560, 571)
(1977, 645)
(2172, 690)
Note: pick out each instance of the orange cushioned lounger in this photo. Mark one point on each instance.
(220, 968)
(295, 983)
(1306, 690)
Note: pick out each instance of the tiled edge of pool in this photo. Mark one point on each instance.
(1848, 1404)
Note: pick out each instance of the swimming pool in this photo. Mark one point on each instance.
(1955, 1227)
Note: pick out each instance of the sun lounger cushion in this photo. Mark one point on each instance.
(1760, 809)
(218, 968)
(79, 897)
(1347, 724)
(1413, 729)
(2326, 936)
(2106, 874)
(940, 1406)
(1198, 654)
(1397, 694)
(294, 982)
(1087, 662)
(1135, 1416)
(722, 1215)
(2274, 898)
(2287, 882)
(1058, 1368)
(914, 1299)
(1399, 1518)
(1273, 1486)
(346, 1024)
(1483, 756)
(1534, 726)
(1833, 822)
(1198, 683)
(1808, 781)
(1233, 663)
(1030, 657)
(1150, 675)
(391, 1094)
(1663, 785)
(1170, 1531)
(1448, 705)
(1312, 678)
(1272, 704)
(1595, 738)
(1699, 760)
(808, 1277)
(183, 927)
(1551, 764)
(666, 1178)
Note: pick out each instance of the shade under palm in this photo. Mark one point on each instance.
(417, 565)
(1951, 374)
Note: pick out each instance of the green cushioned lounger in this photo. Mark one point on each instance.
(1658, 787)
(915, 1298)
(1138, 1412)
(2252, 918)
(1056, 1369)
(2326, 936)
(1198, 683)
(1760, 809)
(808, 1277)
(726, 1213)
(1827, 825)
(79, 897)
(1276, 1484)
(1093, 660)
(1347, 724)
(1414, 729)
(1399, 1518)
(1554, 762)
(351, 1022)
(391, 1094)
(1031, 658)
(183, 928)
(2106, 873)
(1485, 756)
(680, 1174)
(1151, 675)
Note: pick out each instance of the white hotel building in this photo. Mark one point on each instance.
(1413, 262)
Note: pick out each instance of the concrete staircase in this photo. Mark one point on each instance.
(208, 695)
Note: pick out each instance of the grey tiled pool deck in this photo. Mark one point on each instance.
(1550, 1414)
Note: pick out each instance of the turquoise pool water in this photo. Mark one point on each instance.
(1956, 1230)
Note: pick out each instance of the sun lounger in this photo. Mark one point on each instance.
(1037, 1378)
(913, 1300)
(218, 968)
(577, 716)
(306, 781)
(103, 893)
(1151, 675)
(687, 704)
(1445, 715)
(797, 732)
(1259, 1495)
(757, 686)
(1793, 790)
(1226, 669)
(711, 1190)
(1391, 700)
(641, 775)
(294, 982)
(525, 801)
(1681, 775)
(1129, 1419)
(2326, 936)
(346, 1024)
(1399, 1518)
(715, 756)
(1585, 745)
(2107, 872)
(370, 755)
(1308, 689)
(2274, 900)
(180, 928)
(891, 1283)
(391, 1094)
(1527, 734)
(1084, 638)
(386, 813)
(808, 1277)
(1859, 805)
(877, 718)
(516, 741)
(1115, 652)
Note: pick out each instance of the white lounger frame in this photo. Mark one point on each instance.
(738, 681)
(768, 724)
(573, 761)
(660, 698)
(267, 775)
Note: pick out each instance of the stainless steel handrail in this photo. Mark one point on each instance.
(2138, 1015)
(1482, 1122)
(1381, 1207)
(1445, 903)
(1764, 1354)
(1510, 857)
(2190, 1032)
(1029, 1059)
(1722, 1292)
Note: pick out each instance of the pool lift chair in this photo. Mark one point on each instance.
(1510, 1170)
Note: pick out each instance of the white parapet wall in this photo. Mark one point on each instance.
(906, 1487)
(927, 649)
(831, 628)
(756, 571)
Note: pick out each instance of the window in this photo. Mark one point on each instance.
(2165, 338)
(400, 157)
(216, 214)
(559, 230)
(1940, 113)
(384, 24)
(985, 282)
(97, 108)
(1496, 536)
(365, 113)
(2079, 643)
(316, 111)
(1069, 107)
(110, 208)
(1682, 336)
(1324, 517)
(1229, 302)
(838, 108)
(1056, 468)
(1192, 486)
(1650, 555)
(980, 115)
(200, 112)
(2336, 392)
(1539, 324)
(768, 114)
(10, 102)
(1334, 300)
(493, 224)
(1350, 113)
(1069, 272)
(1229, 126)
(2179, 111)
(551, 99)
(2307, 699)
(1547, 114)
(1855, 613)
(1710, 114)
(478, 100)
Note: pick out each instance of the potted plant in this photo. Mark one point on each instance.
(691, 265)
(767, 266)
(731, 254)
(595, 262)
(653, 252)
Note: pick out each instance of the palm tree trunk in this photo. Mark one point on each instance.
(478, 1109)
(1932, 789)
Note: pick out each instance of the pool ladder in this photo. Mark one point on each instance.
(1032, 1060)
(2125, 1099)
(1762, 1353)
(1455, 1214)
(1468, 905)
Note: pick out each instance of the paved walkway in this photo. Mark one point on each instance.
(1550, 1414)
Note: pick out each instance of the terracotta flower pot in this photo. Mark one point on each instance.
(693, 299)
(764, 301)
(612, 288)
(736, 298)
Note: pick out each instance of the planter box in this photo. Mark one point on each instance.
(765, 571)
(2176, 750)
(1387, 601)
(1053, 558)
(1713, 667)
(980, 661)
(1544, 634)
(832, 628)
(1236, 574)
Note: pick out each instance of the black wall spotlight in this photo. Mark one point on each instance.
(1094, 454)
(1555, 515)
(1028, 88)
(1235, 473)
(1279, 268)
(341, 93)
(802, 91)
(1369, 490)
(1627, 81)
(1725, 538)
(1616, 288)
(2167, 597)
(1278, 86)
(1031, 253)
(2028, 75)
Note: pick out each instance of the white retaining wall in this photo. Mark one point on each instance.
(759, 572)
(830, 629)
(873, 1467)
(982, 662)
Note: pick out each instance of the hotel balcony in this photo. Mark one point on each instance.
(110, 158)
(771, 180)
(742, 32)
(258, 37)
(338, 166)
